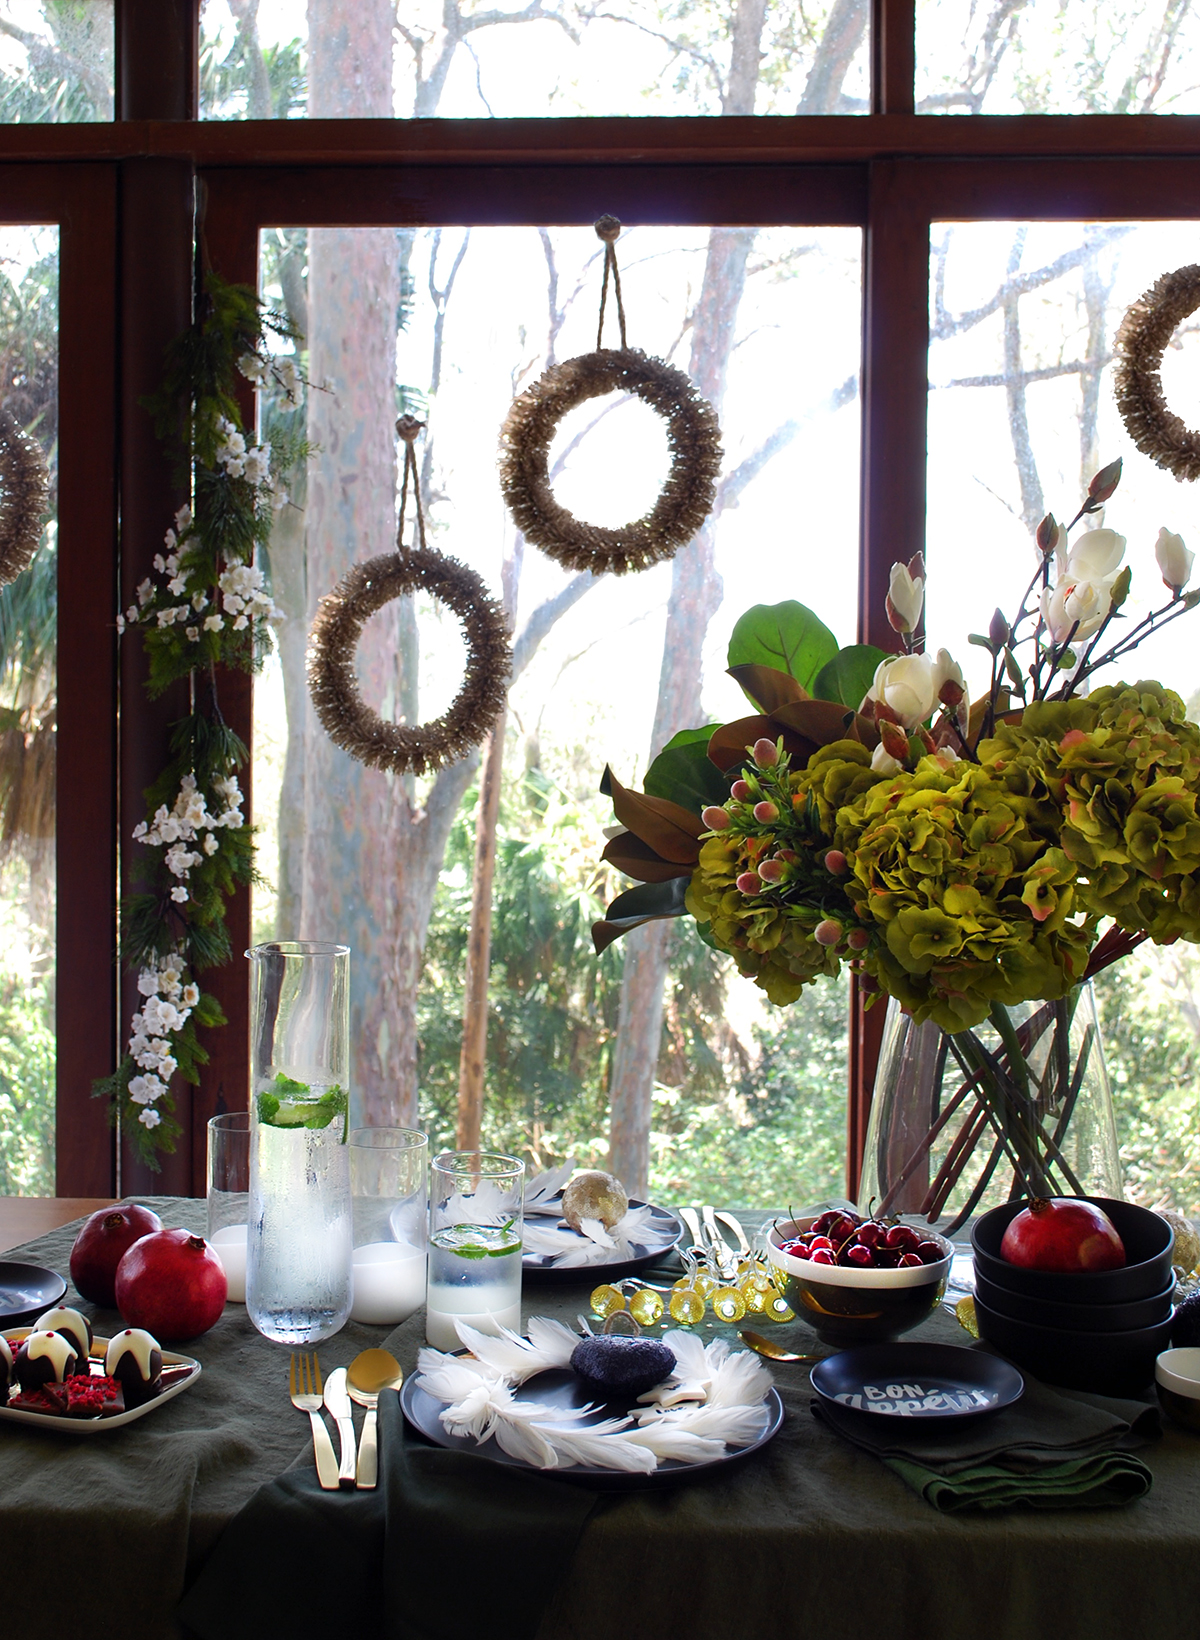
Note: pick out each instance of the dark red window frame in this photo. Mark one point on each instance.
(124, 194)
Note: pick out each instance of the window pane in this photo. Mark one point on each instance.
(28, 653)
(370, 859)
(56, 60)
(281, 59)
(1021, 415)
(1051, 57)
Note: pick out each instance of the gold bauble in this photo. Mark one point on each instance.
(594, 1195)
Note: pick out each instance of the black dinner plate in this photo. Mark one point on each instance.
(561, 1388)
(663, 1233)
(922, 1382)
(26, 1290)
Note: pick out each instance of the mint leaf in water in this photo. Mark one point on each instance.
(283, 1109)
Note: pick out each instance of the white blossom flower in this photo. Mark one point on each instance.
(289, 379)
(213, 623)
(210, 844)
(240, 624)
(150, 1118)
(138, 1045)
(199, 601)
(192, 634)
(258, 464)
(183, 519)
(159, 562)
(1174, 560)
(170, 540)
(172, 562)
(905, 598)
(144, 1089)
(191, 995)
(147, 982)
(131, 614)
(145, 592)
(179, 894)
(252, 367)
(120, 626)
(177, 585)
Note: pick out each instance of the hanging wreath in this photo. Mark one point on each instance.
(24, 490)
(693, 434)
(1141, 341)
(341, 615)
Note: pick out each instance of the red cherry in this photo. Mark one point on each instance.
(822, 1243)
(909, 1261)
(799, 1251)
(823, 1256)
(902, 1238)
(871, 1234)
(929, 1252)
(822, 1223)
(857, 1254)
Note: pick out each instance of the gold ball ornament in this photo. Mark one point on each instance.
(646, 1306)
(686, 498)
(606, 1300)
(686, 1306)
(333, 683)
(1141, 341)
(24, 492)
(1185, 1255)
(594, 1195)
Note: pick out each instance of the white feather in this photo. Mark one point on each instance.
(569, 1249)
(515, 1358)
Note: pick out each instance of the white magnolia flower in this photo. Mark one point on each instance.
(905, 683)
(1095, 555)
(150, 1118)
(1174, 560)
(883, 762)
(906, 597)
(946, 670)
(1076, 606)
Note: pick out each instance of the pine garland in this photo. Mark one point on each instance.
(207, 606)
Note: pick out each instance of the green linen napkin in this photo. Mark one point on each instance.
(1051, 1450)
(449, 1546)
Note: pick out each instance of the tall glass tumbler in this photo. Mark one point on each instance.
(300, 1237)
(388, 1186)
(229, 1195)
(476, 1210)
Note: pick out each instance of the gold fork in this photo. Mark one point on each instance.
(306, 1394)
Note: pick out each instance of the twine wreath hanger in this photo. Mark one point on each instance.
(24, 491)
(1141, 341)
(693, 436)
(365, 589)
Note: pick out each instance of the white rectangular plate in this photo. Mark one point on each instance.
(97, 1426)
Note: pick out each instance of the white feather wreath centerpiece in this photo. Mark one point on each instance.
(711, 1401)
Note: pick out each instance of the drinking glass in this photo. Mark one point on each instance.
(229, 1195)
(477, 1203)
(389, 1195)
(299, 1241)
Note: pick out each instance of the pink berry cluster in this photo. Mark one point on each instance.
(839, 1236)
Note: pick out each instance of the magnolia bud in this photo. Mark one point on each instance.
(740, 790)
(771, 871)
(1047, 535)
(998, 630)
(766, 753)
(895, 741)
(714, 818)
(1105, 482)
(835, 862)
(828, 932)
(1174, 561)
(748, 883)
(766, 812)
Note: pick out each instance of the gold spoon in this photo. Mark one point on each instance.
(370, 1372)
(768, 1347)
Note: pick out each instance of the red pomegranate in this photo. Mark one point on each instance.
(1065, 1235)
(102, 1243)
(171, 1284)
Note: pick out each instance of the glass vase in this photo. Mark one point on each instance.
(300, 1224)
(964, 1121)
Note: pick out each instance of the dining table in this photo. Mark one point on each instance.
(809, 1538)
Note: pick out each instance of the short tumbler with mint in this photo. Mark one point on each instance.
(476, 1211)
(300, 1232)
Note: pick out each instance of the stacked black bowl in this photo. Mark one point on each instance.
(1093, 1330)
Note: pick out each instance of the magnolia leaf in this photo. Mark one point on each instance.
(649, 902)
(683, 774)
(728, 748)
(1013, 670)
(820, 721)
(767, 688)
(637, 859)
(848, 676)
(1120, 589)
(981, 641)
(673, 832)
(787, 637)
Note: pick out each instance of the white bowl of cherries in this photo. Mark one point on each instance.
(859, 1280)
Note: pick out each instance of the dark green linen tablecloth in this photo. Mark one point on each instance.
(812, 1538)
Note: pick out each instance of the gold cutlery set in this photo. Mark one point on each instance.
(367, 1375)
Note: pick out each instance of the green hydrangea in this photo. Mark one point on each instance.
(1122, 769)
(973, 903)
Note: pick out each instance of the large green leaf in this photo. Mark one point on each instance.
(785, 636)
(848, 676)
(682, 772)
(648, 902)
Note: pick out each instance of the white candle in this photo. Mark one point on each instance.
(387, 1282)
(229, 1245)
(441, 1332)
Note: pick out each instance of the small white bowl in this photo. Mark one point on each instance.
(1177, 1379)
